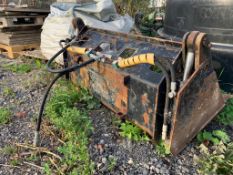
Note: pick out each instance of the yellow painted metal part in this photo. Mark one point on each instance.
(135, 60)
(77, 50)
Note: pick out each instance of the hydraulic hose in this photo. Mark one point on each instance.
(173, 87)
(135, 60)
(39, 120)
(167, 101)
(144, 58)
(60, 72)
(69, 69)
(150, 59)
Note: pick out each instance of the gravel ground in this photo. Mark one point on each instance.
(105, 143)
(23, 102)
(133, 158)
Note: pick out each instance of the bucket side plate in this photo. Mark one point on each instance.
(197, 103)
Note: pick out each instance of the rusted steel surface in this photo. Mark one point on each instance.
(106, 84)
(201, 53)
(136, 92)
(139, 92)
(197, 103)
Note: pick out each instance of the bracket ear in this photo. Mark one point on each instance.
(79, 24)
(201, 53)
(193, 52)
(196, 41)
(184, 47)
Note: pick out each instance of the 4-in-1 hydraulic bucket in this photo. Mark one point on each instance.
(167, 88)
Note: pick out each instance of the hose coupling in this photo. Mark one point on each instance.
(36, 140)
(172, 93)
(164, 132)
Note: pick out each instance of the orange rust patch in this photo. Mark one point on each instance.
(146, 118)
(114, 82)
(150, 110)
(144, 99)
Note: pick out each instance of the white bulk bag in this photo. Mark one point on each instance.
(99, 14)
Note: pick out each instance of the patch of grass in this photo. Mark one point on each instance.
(112, 161)
(36, 63)
(5, 115)
(116, 121)
(132, 132)
(226, 116)
(15, 162)
(33, 158)
(218, 161)
(40, 79)
(215, 137)
(39, 64)
(7, 91)
(162, 149)
(19, 68)
(75, 126)
(47, 169)
(8, 150)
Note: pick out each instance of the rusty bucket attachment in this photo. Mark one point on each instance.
(167, 88)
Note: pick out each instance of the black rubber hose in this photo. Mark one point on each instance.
(39, 120)
(168, 82)
(167, 99)
(36, 139)
(69, 69)
(44, 100)
(172, 71)
(60, 74)
(50, 86)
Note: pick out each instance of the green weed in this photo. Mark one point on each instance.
(15, 162)
(112, 161)
(19, 68)
(226, 116)
(5, 115)
(116, 121)
(75, 125)
(7, 91)
(132, 132)
(219, 161)
(8, 150)
(33, 158)
(38, 64)
(162, 149)
(47, 169)
(214, 137)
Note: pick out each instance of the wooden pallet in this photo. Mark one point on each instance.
(14, 51)
(20, 37)
(21, 21)
(24, 10)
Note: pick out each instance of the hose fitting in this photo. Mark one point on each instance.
(36, 141)
(172, 94)
(164, 132)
